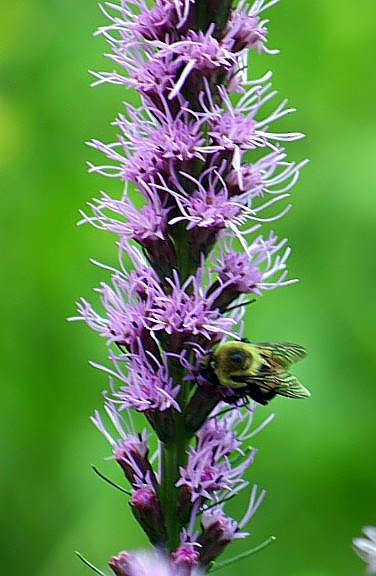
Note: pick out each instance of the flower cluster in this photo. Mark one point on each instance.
(366, 548)
(144, 564)
(203, 171)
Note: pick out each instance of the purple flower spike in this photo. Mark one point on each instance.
(202, 170)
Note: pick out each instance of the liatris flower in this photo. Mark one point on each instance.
(366, 548)
(209, 171)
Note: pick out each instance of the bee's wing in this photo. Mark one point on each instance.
(291, 387)
(266, 382)
(283, 353)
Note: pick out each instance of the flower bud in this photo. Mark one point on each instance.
(132, 455)
(217, 532)
(147, 510)
(121, 563)
(186, 558)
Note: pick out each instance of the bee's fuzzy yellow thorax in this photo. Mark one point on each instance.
(234, 359)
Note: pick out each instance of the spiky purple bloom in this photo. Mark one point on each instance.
(366, 548)
(210, 471)
(209, 171)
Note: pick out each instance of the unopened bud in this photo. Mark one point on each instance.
(147, 510)
(217, 532)
(186, 558)
(121, 563)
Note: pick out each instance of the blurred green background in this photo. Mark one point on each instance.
(317, 458)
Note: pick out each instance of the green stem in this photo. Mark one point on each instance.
(169, 493)
(174, 449)
(182, 241)
(219, 565)
(174, 455)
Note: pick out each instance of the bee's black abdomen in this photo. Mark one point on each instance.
(258, 395)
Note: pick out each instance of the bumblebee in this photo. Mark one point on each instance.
(254, 370)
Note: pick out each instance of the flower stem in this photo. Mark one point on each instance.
(169, 492)
(173, 455)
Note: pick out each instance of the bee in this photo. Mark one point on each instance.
(254, 370)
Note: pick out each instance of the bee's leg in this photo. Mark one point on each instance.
(234, 401)
(243, 401)
(223, 412)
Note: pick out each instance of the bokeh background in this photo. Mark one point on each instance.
(317, 459)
